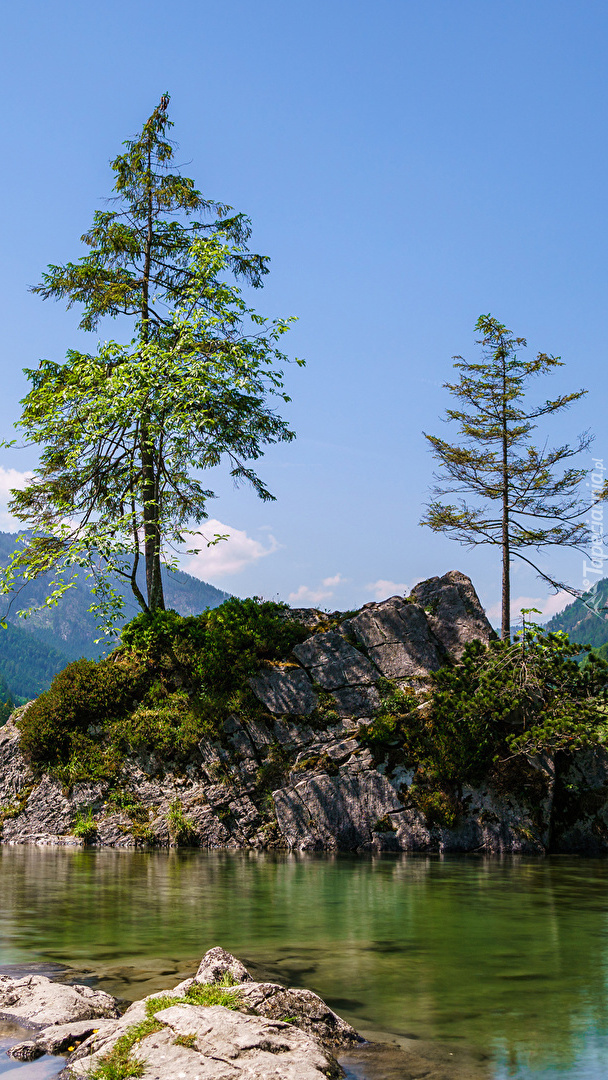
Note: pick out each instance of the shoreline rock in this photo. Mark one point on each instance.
(270, 1030)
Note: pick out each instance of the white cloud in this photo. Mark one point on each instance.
(331, 582)
(548, 606)
(382, 588)
(227, 556)
(305, 596)
(10, 478)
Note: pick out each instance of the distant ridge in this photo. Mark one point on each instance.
(585, 622)
(33, 650)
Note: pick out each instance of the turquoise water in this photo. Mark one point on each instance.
(481, 967)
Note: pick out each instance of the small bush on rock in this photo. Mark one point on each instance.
(63, 726)
(172, 683)
(181, 830)
(500, 701)
(85, 826)
(222, 646)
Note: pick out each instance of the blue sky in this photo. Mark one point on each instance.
(406, 165)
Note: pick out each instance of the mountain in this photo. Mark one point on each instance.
(33, 650)
(585, 620)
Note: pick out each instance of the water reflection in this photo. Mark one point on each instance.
(502, 958)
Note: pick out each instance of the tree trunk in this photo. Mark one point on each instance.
(152, 537)
(505, 631)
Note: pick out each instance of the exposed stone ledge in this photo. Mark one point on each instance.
(289, 1034)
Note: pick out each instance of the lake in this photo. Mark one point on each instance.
(482, 968)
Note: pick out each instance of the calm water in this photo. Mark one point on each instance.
(482, 968)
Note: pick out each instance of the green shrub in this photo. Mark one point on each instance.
(500, 700)
(84, 826)
(181, 830)
(521, 697)
(138, 814)
(173, 682)
(439, 807)
(223, 645)
(64, 724)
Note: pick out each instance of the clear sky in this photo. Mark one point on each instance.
(407, 166)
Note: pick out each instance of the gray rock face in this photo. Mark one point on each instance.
(36, 1002)
(15, 774)
(330, 792)
(284, 691)
(249, 1042)
(361, 809)
(356, 701)
(334, 663)
(217, 964)
(306, 1009)
(334, 812)
(454, 612)
(398, 639)
(214, 1043)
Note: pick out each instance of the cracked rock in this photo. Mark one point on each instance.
(284, 691)
(333, 662)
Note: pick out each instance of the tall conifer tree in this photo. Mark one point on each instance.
(522, 500)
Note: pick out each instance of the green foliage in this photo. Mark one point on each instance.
(273, 770)
(181, 830)
(205, 994)
(120, 1063)
(84, 826)
(384, 825)
(511, 494)
(396, 723)
(498, 703)
(125, 432)
(324, 714)
(138, 814)
(62, 727)
(225, 644)
(173, 682)
(439, 807)
(189, 1041)
(517, 698)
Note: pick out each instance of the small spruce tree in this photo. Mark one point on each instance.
(521, 500)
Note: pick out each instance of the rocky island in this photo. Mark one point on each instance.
(304, 749)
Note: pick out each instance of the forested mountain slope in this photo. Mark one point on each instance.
(585, 620)
(33, 650)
